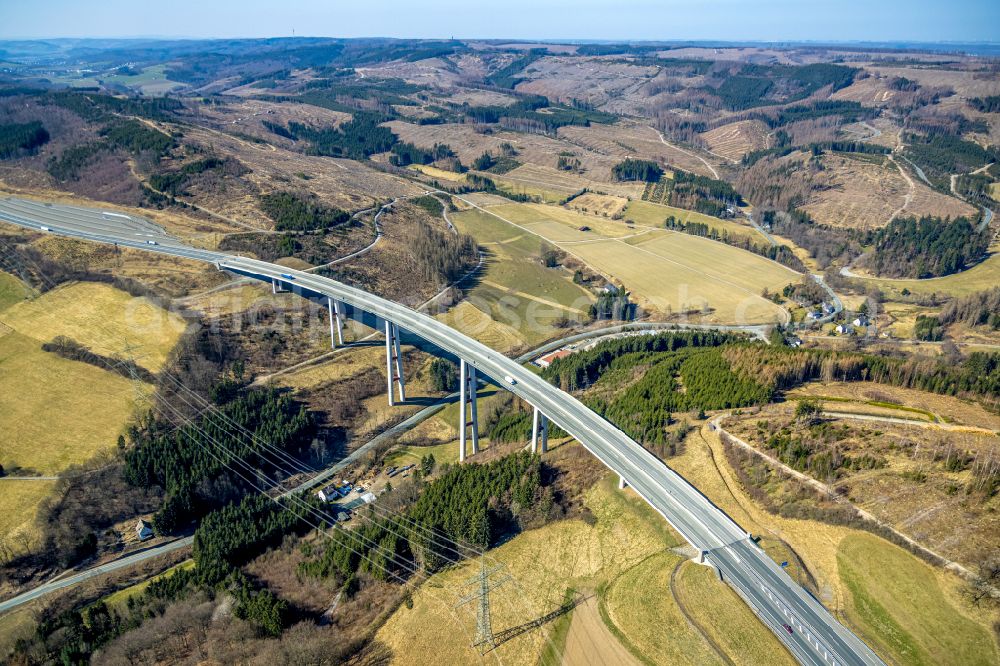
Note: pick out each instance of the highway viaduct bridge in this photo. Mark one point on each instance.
(805, 627)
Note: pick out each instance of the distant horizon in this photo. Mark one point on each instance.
(740, 21)
(728, 43)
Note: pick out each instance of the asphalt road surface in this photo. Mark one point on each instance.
(815, 638)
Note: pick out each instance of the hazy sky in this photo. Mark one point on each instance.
(735, 20)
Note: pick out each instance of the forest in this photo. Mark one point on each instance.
(981, 308)
(940, 155)
(636, 382)
(928, 247)
(524, 115)
(633, 169)
(21, 139)
(751, 85)
(689, 379)
(989, 104)
(443, 257)
(580, 370)
(613, 303)
(132, 136)
(175, 182)
(472, 505)
(705, 195)
(356, 139)
(295, 212)
(404, 154)
(94, 106)
(226, 539)
(185, 461)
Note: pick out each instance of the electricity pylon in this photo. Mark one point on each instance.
(484, 629)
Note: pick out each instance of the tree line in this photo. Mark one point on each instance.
(21, 139)
(295, 212)
(981, 308)
(926, 247)
(129, 135)
(634, 169)
(468, 504)
(780, 253)
(191, 463)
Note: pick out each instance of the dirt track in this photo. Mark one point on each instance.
(589, 641)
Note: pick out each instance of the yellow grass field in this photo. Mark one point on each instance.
(118, 600)
(12, 291)
(676, 272)
(599, 204)
(640, 605)
(740, 636)
(19, 502)
(666, 271)
(441, 174)
(517, 300)
(981, 276)
(654, 214)
(101, 317)
(896, 593)
(54, 412)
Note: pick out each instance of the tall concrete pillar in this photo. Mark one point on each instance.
(539, 431)
(468, 414)
(621, 482)
(333, 307)
(393, 363)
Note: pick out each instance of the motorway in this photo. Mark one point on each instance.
(817, 637)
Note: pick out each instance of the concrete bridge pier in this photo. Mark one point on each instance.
(393, 363)
(621, 482)
(333, 308)
(467, 390)
(539, 431)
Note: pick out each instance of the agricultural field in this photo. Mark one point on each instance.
(983, 275)
(599, 204)
(84, 408)
(519, 301)
(668, 272)
(735, 140)
(440, 174)
(653, 214)
(903, 611)
(19, 502)
(101, 317)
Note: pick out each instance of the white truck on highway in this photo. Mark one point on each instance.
(510, 380)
